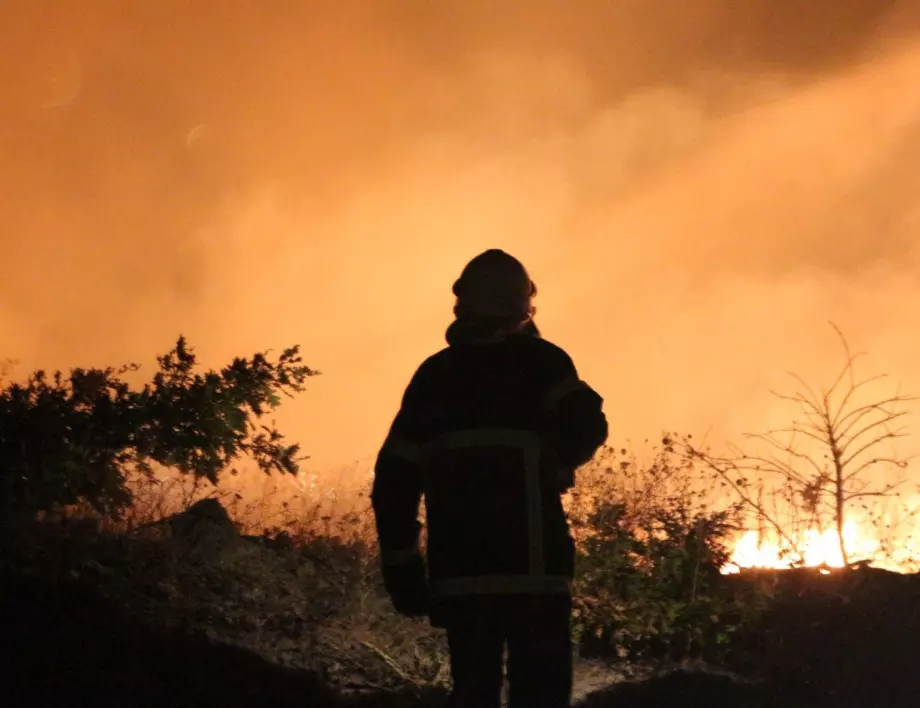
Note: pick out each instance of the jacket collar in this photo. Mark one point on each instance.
(464, 331)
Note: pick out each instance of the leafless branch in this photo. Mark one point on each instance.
(874, 442)
(852, 419)
(877, 494)
(724, 469)
(809, 405)
(841, 439)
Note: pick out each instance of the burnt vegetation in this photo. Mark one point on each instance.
(134, 573)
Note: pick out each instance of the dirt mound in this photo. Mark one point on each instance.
(846, 637)
(192, 585)
(65, 646)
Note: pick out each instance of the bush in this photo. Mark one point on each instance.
(73, 439)
(650, 551)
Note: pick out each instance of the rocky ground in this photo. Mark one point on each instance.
(191, 614)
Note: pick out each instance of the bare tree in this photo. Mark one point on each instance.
(837, 451)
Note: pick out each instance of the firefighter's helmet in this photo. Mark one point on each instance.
(495, 285)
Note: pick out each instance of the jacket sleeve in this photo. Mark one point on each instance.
(397, 487)
(577, 426)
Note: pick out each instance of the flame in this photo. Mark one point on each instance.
(814, 548)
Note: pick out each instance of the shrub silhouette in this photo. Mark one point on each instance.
(72, 439)
(650, 549)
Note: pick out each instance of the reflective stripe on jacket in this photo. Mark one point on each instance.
(489, 433)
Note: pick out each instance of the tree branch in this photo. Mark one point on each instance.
(877, 440)
(844, 428)
(715, 465)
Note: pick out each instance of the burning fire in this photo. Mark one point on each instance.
(815, 548)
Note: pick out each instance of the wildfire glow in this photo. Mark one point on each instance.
(815, 549)
(821, 549)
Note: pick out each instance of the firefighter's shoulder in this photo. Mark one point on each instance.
(561, 378)
(429, 373)
(551, 356)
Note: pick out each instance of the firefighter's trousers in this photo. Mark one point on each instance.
(535, 629)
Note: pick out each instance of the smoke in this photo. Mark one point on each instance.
(696, 187)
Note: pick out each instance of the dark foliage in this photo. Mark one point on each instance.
(648, 581)
(71, 439)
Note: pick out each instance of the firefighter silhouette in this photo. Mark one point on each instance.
(490, 432)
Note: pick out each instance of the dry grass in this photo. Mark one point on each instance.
(300, 587)
(641, 487)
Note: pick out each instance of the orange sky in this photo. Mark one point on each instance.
(696, 187)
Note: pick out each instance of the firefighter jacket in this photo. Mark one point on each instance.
(490, 432)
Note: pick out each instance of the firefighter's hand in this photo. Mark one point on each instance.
(407, 585)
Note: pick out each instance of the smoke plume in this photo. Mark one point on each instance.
(697, 188)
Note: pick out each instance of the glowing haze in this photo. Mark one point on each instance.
(697, 187)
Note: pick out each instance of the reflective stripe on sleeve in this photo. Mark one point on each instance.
(529, 443)
(406, 450)
(485, 437)
(562, 389)
(501, 585)
(399, 556)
